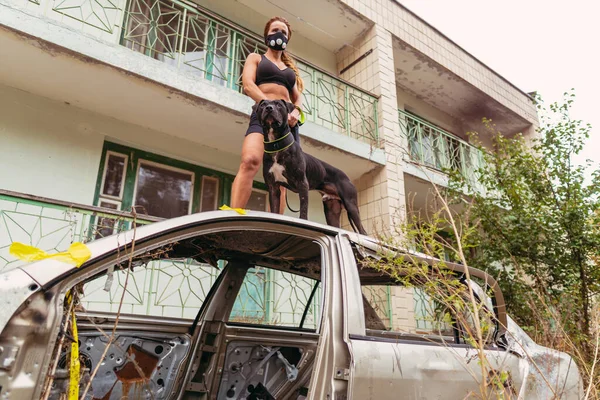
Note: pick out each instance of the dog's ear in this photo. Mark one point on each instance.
(255, 106)
(289, 106)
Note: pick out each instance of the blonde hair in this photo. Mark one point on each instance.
(287, 60)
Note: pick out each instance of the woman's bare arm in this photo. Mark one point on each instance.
(296, 98)
(249, 78)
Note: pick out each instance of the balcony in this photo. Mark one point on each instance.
(432, 147)
(186, 42)
(184, 36)
(458, 85)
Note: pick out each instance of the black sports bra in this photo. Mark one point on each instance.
(269, 72)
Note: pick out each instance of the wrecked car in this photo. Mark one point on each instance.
(219, 305)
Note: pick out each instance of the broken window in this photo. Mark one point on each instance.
(377, 306)
(390, 306)
(159, 288)
(277, 298)
(411, 299)
(138, 319)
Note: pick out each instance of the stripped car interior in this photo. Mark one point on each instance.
(231, 353)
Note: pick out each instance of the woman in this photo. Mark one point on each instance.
(271, 76)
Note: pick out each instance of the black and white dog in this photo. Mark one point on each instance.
(285, 164)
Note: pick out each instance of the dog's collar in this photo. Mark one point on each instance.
(280, 144)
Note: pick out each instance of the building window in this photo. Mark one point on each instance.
(160, 186)
(163, 191)
(210, 193)
(113, 179)
(258, 200)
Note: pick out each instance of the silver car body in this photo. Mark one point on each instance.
(339, 357)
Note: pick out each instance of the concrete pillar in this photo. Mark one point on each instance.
(382, 192)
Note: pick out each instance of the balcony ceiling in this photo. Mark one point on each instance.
(330, 24)
(429, 81)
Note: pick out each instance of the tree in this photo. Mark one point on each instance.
(537, 218)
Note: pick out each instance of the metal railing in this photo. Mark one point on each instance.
(174, 288)
(435, 148)
(52, 225)
(183, 35)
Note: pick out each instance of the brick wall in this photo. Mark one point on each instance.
(381, 192)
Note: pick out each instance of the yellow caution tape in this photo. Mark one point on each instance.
(240, 211)
(77, 254)
(74, 365)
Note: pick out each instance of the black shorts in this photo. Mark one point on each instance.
(255, 127)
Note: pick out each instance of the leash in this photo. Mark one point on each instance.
(288, 204)
(74, 365)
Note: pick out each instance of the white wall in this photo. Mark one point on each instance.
(254, 21)
(53, 150)
(424, 110)
(45, 152)
(437, 117)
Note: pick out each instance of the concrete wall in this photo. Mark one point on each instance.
(52, 149)
(44, 151)
(406, 26)
(408, 102)
(255, 22)
(381, 192)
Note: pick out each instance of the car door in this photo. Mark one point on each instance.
(175, 317)
(397, 353)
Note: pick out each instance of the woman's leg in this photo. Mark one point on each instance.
(252, 153)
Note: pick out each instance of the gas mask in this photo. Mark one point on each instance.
(277, 41)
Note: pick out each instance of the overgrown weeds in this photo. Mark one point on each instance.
(529, 216)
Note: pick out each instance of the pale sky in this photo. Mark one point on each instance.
(546, 46)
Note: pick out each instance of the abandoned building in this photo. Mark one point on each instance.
(110, 104)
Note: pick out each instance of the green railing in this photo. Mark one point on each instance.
(174, 288)
(182, 35)
(435, 148)
(52, 225)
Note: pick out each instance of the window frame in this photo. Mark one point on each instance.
(315, 301)
(218, 182)
(141, 161)
(99, 266)
(133, 157)
(266, 193)
(105, 159)
(364, 249)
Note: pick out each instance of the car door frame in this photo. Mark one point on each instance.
(355, 326)
(321, 378)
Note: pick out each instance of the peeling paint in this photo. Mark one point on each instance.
(439, 86)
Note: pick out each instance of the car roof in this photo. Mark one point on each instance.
(46, 271)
